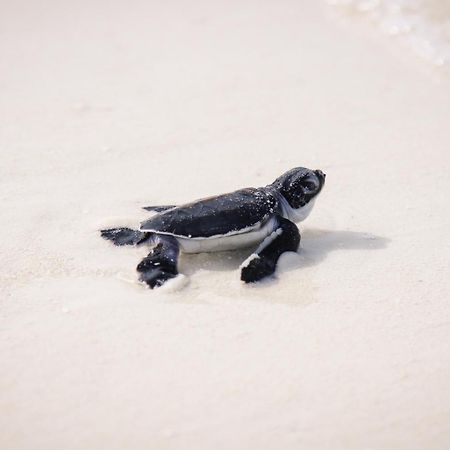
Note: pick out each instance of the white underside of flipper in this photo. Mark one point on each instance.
(267, 241)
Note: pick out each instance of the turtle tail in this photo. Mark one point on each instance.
(125, 236)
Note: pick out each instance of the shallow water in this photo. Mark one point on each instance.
(422, 26)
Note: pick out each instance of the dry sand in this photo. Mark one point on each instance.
(106, 107)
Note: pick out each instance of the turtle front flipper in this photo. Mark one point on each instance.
(262, 263)
(158, 209)
(161, 263)
(124, 236)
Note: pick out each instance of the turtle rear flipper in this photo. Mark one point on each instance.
(158, 209)
(124, 236)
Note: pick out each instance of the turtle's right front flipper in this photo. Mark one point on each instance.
(124, 236)
(262, 263)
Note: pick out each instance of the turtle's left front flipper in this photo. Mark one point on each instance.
(161, 263)
(262, 263)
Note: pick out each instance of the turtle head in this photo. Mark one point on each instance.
(299, 187)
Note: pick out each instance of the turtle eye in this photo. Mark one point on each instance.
(310, 186)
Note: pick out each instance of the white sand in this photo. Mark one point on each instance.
(105, 107)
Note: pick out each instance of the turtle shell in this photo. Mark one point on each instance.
(228, 214)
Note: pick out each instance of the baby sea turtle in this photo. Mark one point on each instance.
(250, 216)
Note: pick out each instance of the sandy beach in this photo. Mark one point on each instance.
(109, 106)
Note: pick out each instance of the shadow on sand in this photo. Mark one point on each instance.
(315, 247)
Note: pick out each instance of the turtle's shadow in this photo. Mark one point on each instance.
(315, 247)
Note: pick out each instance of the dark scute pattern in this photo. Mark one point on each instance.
(216, 215)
